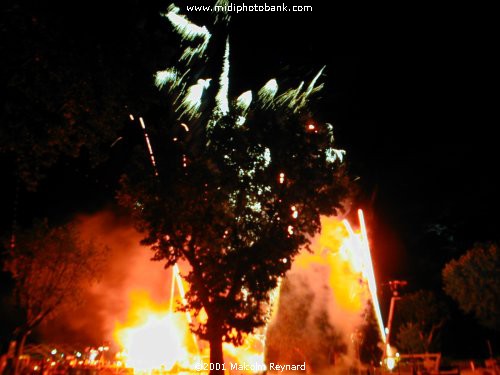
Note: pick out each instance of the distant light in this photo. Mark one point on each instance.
(386, 330)
(311, 127)
(131, 117)
(53, 352)
(290, 229)
(284, 260)
(185, 127)
(52, 363)
(397, 355)
(35, 368)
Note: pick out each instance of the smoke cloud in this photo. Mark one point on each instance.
(321, 307)
(129, 268)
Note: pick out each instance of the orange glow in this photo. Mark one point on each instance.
(251, 352)
(346, 252)
(337, 250)
(154, 337)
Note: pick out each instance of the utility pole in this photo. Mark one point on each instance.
(390, 358)
(395, 285)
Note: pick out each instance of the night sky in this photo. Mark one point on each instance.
(410, 97)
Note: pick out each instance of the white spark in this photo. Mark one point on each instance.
(192, 101)
(333, 154)
(185, 28)
(240, 120)
(190, 52)
(151, 155)
(289, 98)
(170, 76)
(222, 107)
(244, 100)
(188, 31)
(311, 89)
(255, 206)
(267, 93)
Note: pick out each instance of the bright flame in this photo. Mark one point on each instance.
(251, 352)
(153, 337)
(341, 257)
(339, 249)
(362, 262)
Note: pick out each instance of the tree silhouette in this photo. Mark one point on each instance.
(420, 316)
(50, 266)
(472, 281)
(234, 187)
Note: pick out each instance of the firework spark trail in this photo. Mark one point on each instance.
(151, 155)
(368, 269)
(176, 277)
(182, 292)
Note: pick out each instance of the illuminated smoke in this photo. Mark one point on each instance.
(324, 299)
(129, 270)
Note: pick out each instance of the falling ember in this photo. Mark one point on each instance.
(150, 149)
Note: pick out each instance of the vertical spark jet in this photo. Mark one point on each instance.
(368, 269)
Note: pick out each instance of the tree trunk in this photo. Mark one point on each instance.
(216, 353)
